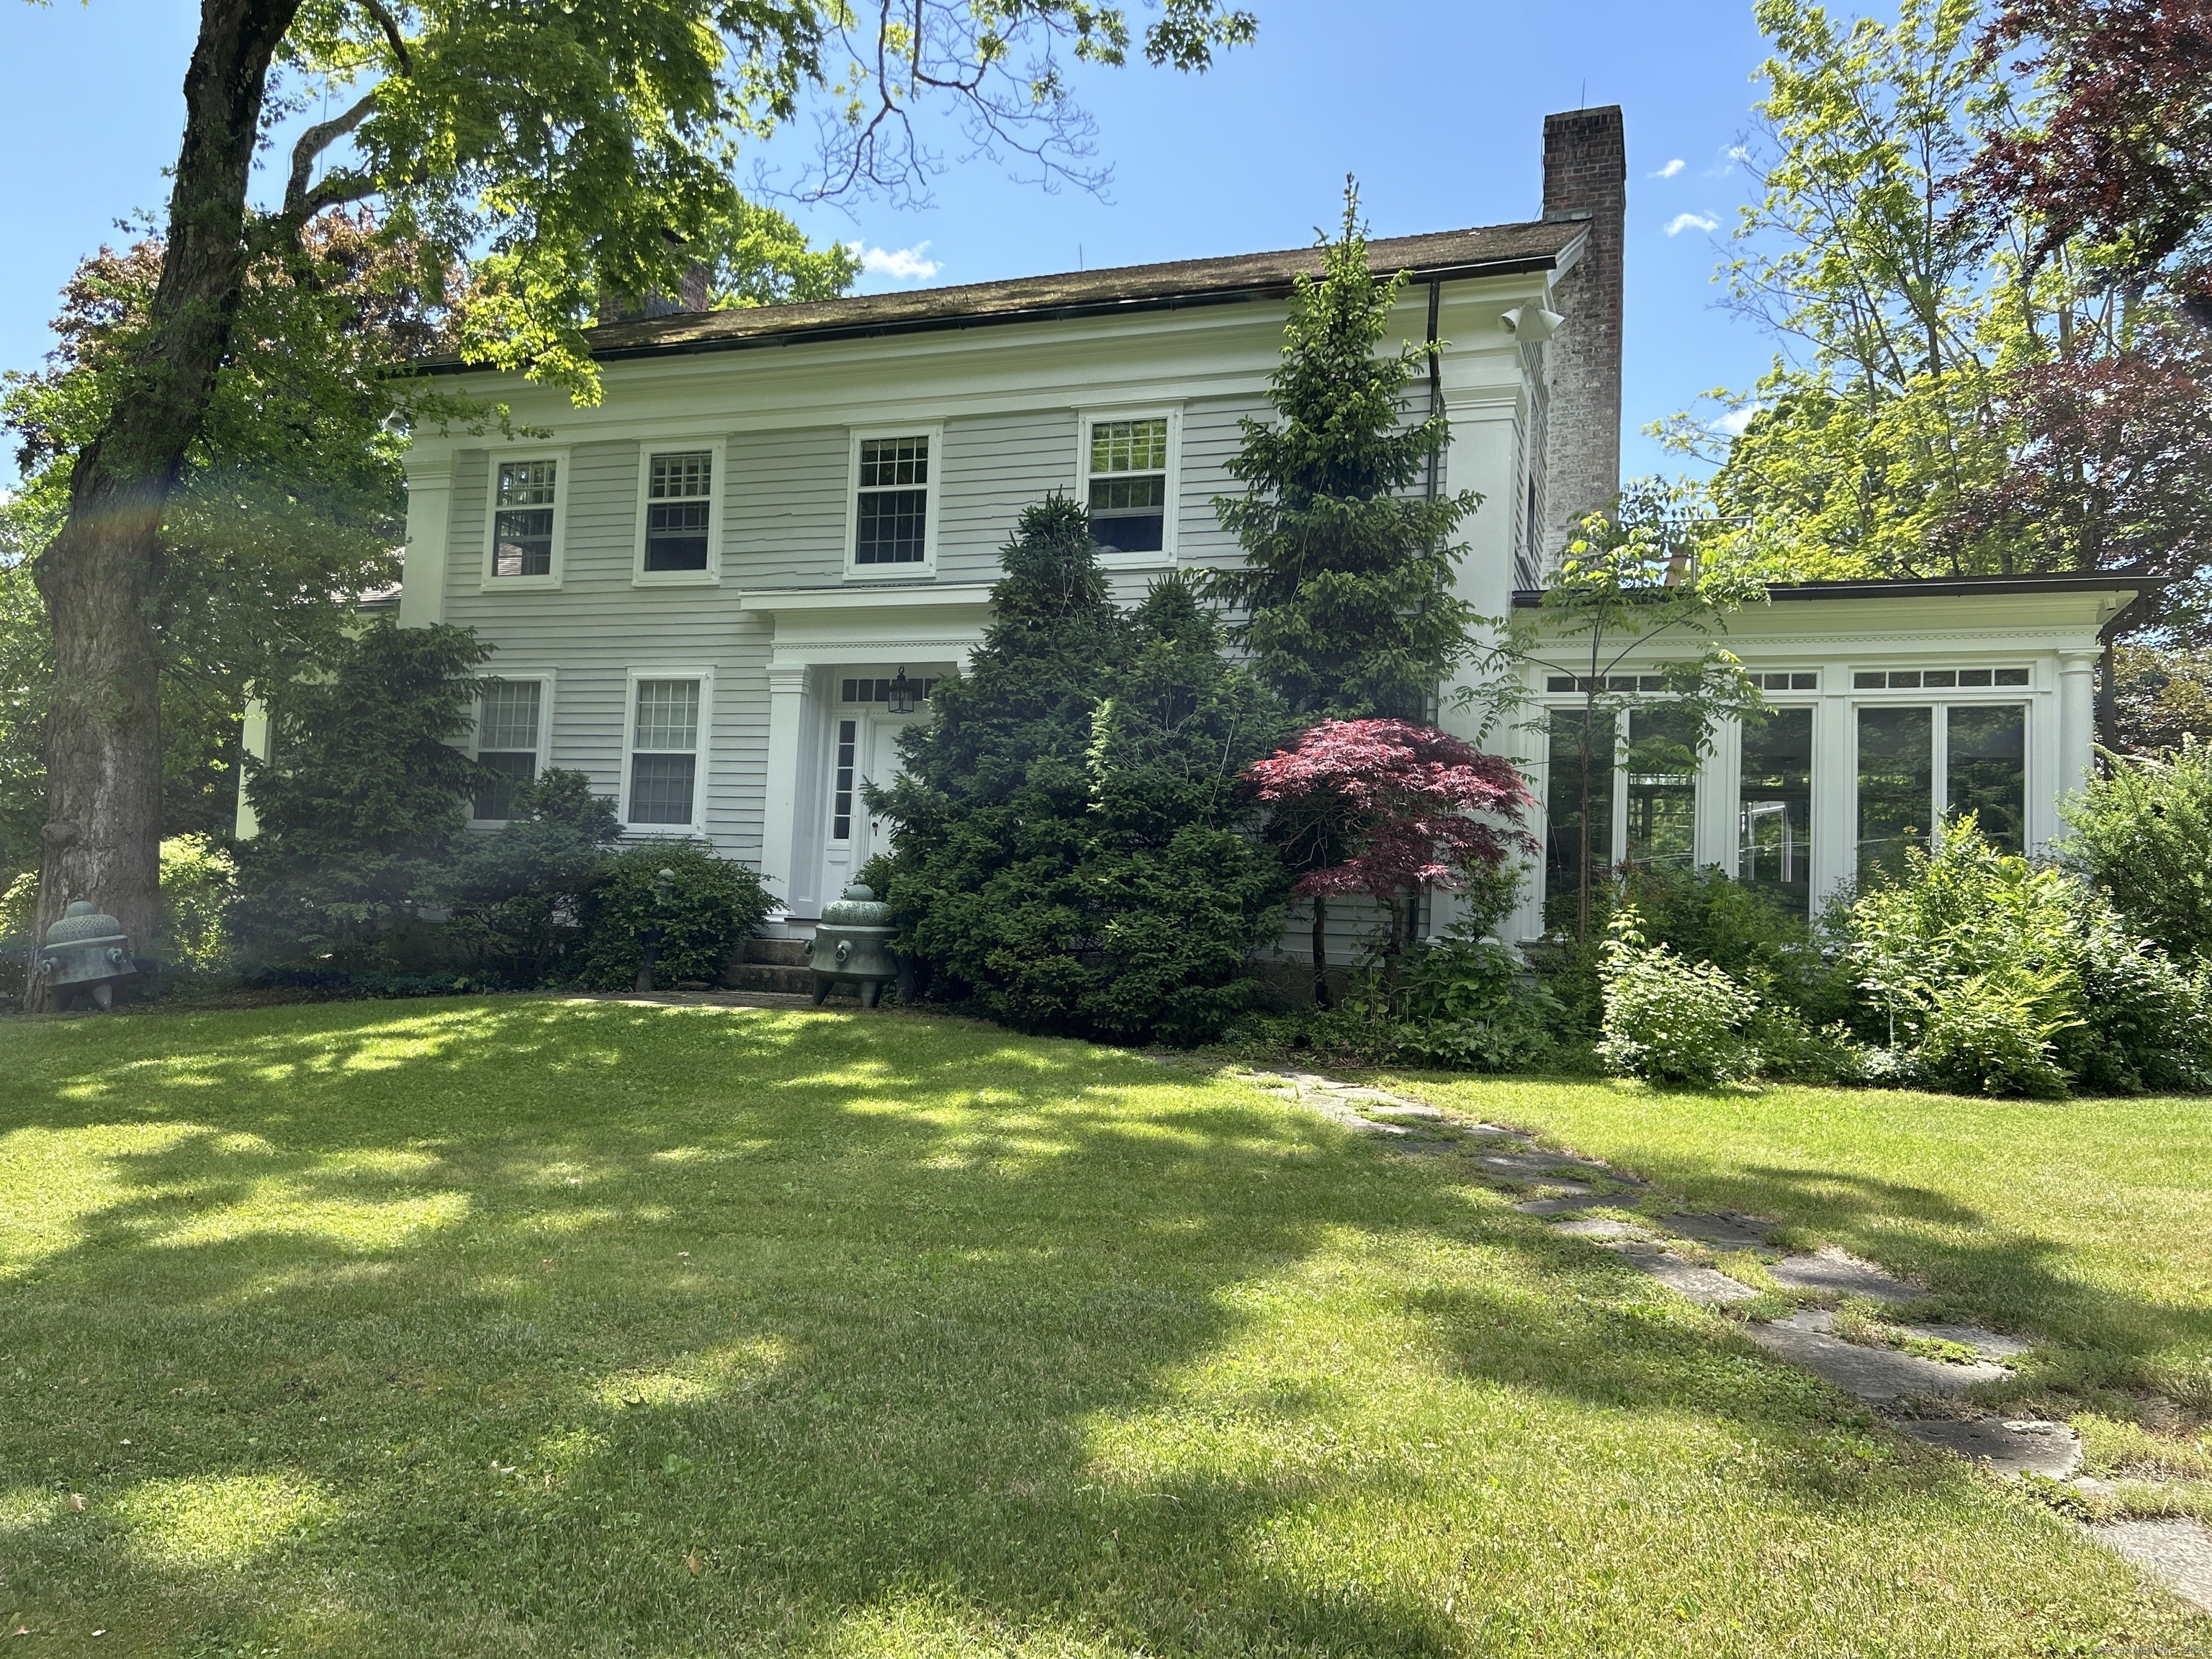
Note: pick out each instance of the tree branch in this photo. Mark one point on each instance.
(390, 25)
(313, 142)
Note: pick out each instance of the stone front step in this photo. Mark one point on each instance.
(770, 977)
(776, 952)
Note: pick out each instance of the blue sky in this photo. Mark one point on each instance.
(1437, 106)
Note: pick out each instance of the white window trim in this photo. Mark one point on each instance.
(561, 478)
(696, 829)
(717, 489)
(1088, 417)
(934, 431)
(545, 679)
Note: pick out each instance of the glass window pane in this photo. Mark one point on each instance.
(1662, 786)
(675, 536)
(660, 788)
(892, 522)
(1563, 848)
(496, 800)
(888, 462)
(681, 478)
(1896, 786)
(1985, 772)
(2012, 677)
(522, 542)
(1129, 446)
(841, 803)
(1774, 818)
(525, 484)
(508, 719)
(667, 714)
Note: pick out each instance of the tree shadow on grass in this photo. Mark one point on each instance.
(582, 1328)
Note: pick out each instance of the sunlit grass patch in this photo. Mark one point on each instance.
(532, 1324)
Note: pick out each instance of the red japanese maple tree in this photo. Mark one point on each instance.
(1387, 809)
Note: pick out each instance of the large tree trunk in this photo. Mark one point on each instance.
(102, 834)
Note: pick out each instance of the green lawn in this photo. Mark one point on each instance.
(2088, 1223)
(517, 1326)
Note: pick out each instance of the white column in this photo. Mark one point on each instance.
(787, 727)
(429, 515)
(2077, 738)
(1835, 788)
(1719, 791)
(253, 739)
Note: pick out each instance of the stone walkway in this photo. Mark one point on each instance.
(1919, 1394)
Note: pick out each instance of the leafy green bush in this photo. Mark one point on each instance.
(516, 895)
(1991, 1033)
(1470, 1005)
(1668, 1019)
(1988, 972)
(2143, 833)
(1065, 845)
(1791, 1050)
(198, 884)
(713, 905)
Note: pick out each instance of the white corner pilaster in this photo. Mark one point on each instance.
(787, 731)
(430, 517)
(2077, 738)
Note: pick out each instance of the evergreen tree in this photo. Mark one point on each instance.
(1346, 591)
(1066, 837)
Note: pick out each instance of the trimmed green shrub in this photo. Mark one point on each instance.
(714, 905)
(1066, 852)
(2146, 1022)
(1668, 1019)
(2143, 833)
(516, 895)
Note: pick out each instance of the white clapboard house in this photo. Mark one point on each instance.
(722, 591)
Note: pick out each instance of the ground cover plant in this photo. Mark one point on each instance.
(508, 1325)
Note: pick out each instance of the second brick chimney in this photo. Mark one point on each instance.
(1585, 178)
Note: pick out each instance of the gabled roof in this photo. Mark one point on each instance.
(1484, 251)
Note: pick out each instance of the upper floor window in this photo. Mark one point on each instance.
(510, 740)
(679, 490)
(894, 510)
(1127, 474)
(679, 512)
(524, 545)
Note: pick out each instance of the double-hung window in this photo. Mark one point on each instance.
(895, 502)
(679, 524)
(1128, 476)
(667, 720)
(510, 741)
(524, 546)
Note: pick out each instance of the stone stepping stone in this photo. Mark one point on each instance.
(2024, 1447)
(1706, 1287)
(2177, 1553)
(1375, 1101)
(1595, 1226)
(1568, 1203)
(1538, 1166)
(1989, 1343)
(1729, 1232)
(1880, 1377)
(1831, 1270)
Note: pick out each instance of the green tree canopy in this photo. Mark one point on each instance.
(1346, 591)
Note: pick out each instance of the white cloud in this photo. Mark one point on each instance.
(1730, 157)
(1669, 171)
(1682, 221)
(906, 265)
(1731, 425)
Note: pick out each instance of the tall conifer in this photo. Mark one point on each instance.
(1346, 596)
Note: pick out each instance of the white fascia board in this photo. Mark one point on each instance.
(781, 599)
(1905, 625)
(1209, 351)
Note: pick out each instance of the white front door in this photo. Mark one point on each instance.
(863, 751)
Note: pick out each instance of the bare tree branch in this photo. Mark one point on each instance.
(313, 142)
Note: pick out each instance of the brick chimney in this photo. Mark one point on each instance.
(1585, 178)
